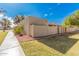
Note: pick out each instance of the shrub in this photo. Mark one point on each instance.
(18, 30)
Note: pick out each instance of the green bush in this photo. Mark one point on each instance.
(18, 30)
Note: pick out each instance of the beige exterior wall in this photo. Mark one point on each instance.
(71, 29)
(52, 30)
(37, 31)
(28, 21)
(37, 21)
(26, 26)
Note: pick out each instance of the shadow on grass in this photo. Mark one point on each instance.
(59, 43)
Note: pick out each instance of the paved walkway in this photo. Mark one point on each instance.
(10, 46)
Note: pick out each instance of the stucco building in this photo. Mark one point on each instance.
(37, 27)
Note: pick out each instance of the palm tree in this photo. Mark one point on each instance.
(18, 18)
(6, 24)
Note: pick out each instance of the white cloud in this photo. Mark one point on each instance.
(9, 18)
(1, 15)
(45, 14)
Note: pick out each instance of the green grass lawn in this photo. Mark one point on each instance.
(35, 48)
(2, 36)
(52, 46)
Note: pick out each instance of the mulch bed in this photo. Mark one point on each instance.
(24, 38)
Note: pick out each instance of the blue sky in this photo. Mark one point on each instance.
(53, 12)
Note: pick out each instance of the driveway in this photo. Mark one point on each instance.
(11, 46)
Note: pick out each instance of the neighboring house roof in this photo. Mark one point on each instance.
(52, 24)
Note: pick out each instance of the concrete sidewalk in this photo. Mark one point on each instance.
(11, 46)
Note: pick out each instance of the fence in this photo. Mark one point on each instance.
(37, 30)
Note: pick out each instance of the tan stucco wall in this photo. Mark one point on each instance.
(26, 26)
(52, 30)
(71, 29)
(37, 21)
(28, 21)
(37, 31)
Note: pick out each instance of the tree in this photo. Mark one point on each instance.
(6, 23)
(72, 20)
(18, 18)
